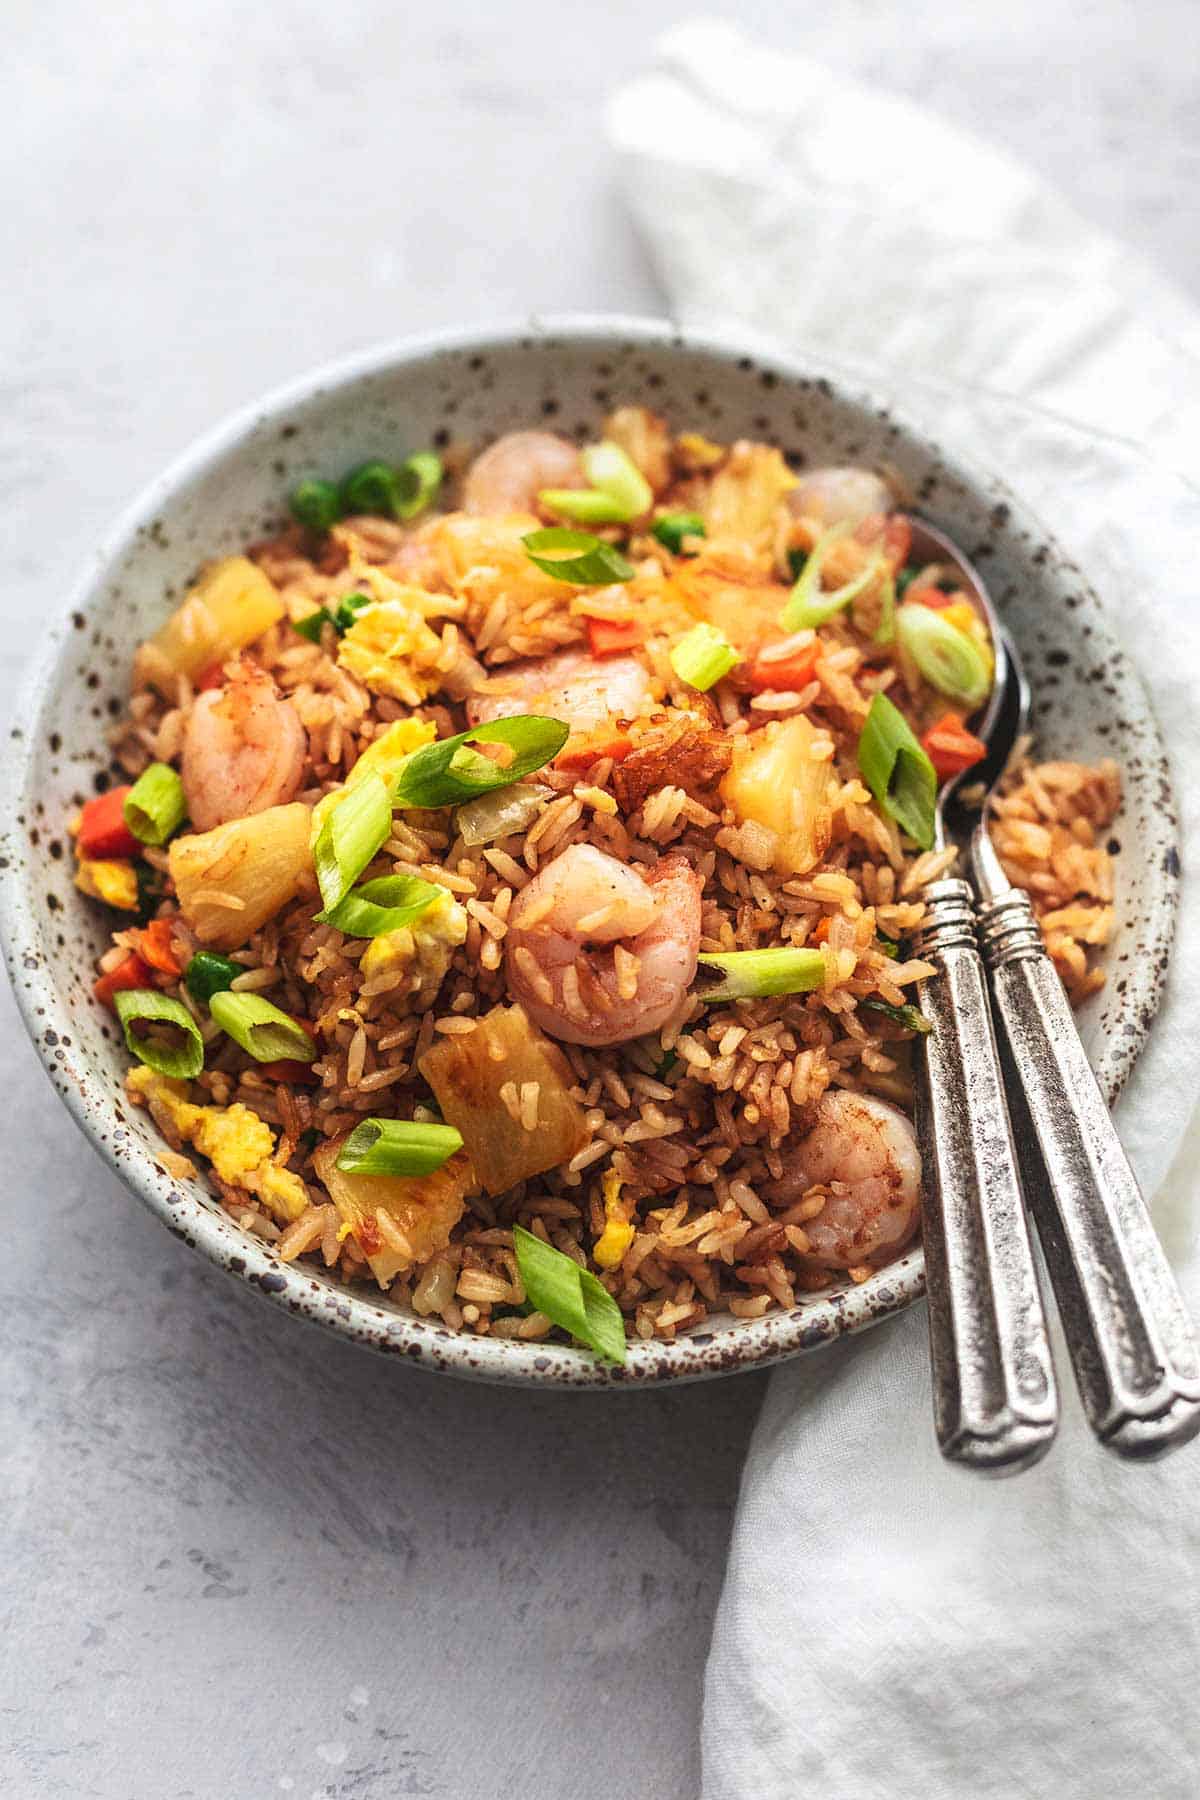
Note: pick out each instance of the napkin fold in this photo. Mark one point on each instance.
(890, 1626)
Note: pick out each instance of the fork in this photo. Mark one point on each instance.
(995, 1398)
(1132, 1344)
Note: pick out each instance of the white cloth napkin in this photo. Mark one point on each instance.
(890, 1626)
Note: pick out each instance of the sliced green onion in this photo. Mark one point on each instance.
(383, 905)
(885, 631)
(948, 659)
(442, 775)
(672, 528)
(911, 1017)
(754, 974)
(576, 556)
(310, 625)
(618, 494)
(180, 1060)
(208, 974)
(587, 506)
(261, 1029)
(897, 771)
(887, 946)
(808, 604)
(702, 656)
(341, 618)
(154, 806)
(397, 1147)
(570, 1296)
(371, 488)
(315, 504)
(350, 836)
(417, 482)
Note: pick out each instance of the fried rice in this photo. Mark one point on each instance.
(676, 1194)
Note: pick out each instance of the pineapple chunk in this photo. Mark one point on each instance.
(746, 495)
(423, 1208)
(780, 781)
(467, 1072)
(231, 605)
(234, 878)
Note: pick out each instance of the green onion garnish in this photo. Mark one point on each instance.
(310, 625)
(350, 836)
(702, 656)
(576, 556)
(450, 772)
(417, 482)
(887, 946)
(262, 1030)
(181, 1059)
(672, 528)
(372, 487)
(315, 504)
(885, 631)
(619, 491)
(754, 974)
(808, 604)
(570, 1296)
(897, 771)
(383, 905)
(397, 1147)
(911, 1017)
(208, 974)
(154, 806)
(948, 659)
(341, 618)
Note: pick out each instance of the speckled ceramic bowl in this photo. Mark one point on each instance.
(231, 488)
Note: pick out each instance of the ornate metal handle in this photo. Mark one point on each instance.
(994, 1393)
(1132, 1343)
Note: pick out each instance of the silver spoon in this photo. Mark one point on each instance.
(1132, 1343)
(995, 1398)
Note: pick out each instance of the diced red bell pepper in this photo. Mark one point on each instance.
(301, 1074)
(609, 637)
(784, 674)
(582, 750)
(154, 945)
(951, 748)
(212, 677)
(103, 832)
(132, 972)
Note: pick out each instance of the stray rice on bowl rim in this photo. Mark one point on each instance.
(515, 866)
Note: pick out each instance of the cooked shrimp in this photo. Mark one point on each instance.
(645, 929)
(581, 690)
(837, 496)
(510, 474)
(866, 1153)
(243, 750)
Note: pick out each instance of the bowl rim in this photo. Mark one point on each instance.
(753, 1343)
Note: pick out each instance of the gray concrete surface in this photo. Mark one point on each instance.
(237, 1559)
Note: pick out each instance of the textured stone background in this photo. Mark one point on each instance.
(240, 1559)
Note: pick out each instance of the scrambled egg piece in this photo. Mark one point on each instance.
(422, 950)
(382, 757)
(609, 1249)
(113, 881)
(235, 1140)
(390, 647)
